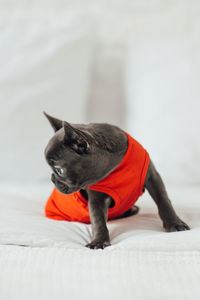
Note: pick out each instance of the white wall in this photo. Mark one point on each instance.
(118, 23)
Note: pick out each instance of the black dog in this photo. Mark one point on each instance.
(81, 155)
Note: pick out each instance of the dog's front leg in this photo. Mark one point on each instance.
(156, 188)
(98, 204)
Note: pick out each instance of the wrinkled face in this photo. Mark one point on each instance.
(63, 162)
(67, 155)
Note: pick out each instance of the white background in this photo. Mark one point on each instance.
(131, 63)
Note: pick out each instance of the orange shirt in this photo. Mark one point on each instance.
(124, 184)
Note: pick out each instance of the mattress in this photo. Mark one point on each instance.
(46, 259)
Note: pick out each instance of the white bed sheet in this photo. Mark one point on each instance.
(22, 222)
(144, 262)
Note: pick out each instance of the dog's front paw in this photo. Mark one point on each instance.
(98, 244)
(176, 225)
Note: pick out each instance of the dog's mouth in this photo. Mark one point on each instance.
(63, 187)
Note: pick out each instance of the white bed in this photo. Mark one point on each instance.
(46, 259)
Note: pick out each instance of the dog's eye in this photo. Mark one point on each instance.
(59, 171)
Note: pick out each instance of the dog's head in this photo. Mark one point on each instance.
(72, 156)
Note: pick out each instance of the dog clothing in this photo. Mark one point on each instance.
(124, 184)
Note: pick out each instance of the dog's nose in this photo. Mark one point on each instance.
(53, 178)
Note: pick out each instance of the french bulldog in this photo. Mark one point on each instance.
(82, 154)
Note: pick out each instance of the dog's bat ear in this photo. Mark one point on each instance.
(55, 123)
(75, 139)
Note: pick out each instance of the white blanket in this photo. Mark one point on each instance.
(144, 262)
